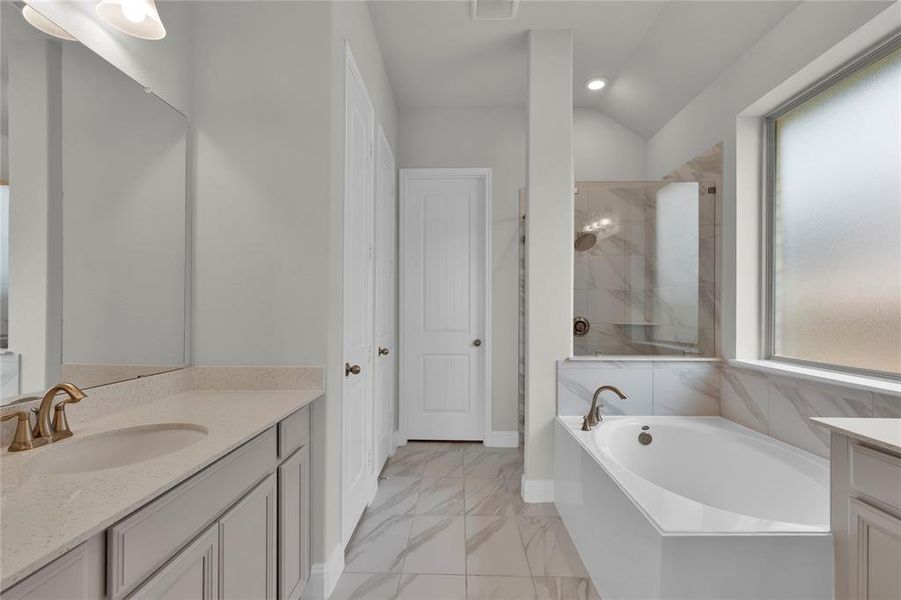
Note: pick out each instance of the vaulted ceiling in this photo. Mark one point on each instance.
(657, 55)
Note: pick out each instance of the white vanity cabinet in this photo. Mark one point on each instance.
(866, 520)
(238, 529)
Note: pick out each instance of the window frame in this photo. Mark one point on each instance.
(768, 321)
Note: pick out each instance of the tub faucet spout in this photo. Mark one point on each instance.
(594, 413)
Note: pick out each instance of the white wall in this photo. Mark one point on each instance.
(162, 65)
(549, 235)
(493, 138)
(261, 139)
(604, 150)
(124, 154)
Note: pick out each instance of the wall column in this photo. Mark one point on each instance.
(549, 248)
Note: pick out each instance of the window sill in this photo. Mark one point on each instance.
(848, 380)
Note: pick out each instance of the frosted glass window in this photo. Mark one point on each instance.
(836, 224)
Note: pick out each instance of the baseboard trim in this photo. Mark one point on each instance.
(502, 439)
(324, 576)
(399, 440)
(537, 490)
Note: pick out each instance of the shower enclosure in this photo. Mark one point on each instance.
(645, 267)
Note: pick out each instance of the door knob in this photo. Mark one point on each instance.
(477, 343)
(383, 351)
(351, 370)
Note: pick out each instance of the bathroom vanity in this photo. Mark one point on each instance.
(227, 516)
(866, 506)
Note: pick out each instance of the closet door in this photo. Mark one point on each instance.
(385, 300)
(358, 481)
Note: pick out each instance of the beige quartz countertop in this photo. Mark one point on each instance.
(42, 516)
(882, 433)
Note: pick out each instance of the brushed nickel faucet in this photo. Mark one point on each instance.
(594, 413)
(44, 431)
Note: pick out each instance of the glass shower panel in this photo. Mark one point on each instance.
(644, 269)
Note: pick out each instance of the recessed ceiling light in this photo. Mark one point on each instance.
(134, 17)
(41, 22)
(596, 84)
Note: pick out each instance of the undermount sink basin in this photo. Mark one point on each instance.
(117, 448)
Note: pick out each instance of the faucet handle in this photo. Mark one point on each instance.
(60, 424)
(23, 439)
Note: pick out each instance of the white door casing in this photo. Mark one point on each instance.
(385, 300)
(356, 459)
(445, 368)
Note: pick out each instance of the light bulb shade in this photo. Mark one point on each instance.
(138, 18)
(39, 21)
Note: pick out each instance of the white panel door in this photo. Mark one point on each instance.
(385, 299)
(446, 350)
(356, 468)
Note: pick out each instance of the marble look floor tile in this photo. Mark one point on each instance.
(440, 496)
(380, 549)
(501, 497)
(432, 587)
(565, 588)
(493, 464)
(492, 497)
(436, 546)
(395, 496)
(493, 587)
(449, 463)
(549, 548)
(366, 586)
(410, 461)
(494, 547)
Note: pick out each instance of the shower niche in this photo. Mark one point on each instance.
(645, 266)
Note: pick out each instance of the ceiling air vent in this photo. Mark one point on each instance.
(494, 9)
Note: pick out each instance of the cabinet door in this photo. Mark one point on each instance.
(77, 575)
(193, 574)
(876, 564)
(247, 546)
(294, 524)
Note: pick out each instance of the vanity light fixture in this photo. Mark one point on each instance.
(596, 84)
(39, 21)
(138, 18)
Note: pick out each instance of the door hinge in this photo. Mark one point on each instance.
(370, 251)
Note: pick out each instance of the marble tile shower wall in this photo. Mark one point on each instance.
(781, 407)
(617, 285)
(654, 387)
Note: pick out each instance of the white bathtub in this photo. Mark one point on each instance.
(708, 509)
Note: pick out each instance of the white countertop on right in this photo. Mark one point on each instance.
(883, 433)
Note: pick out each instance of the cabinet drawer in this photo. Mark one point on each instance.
(293, 432)
(876, 474)
(142, 542)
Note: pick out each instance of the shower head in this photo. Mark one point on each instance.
(585, 241)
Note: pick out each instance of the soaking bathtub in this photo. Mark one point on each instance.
(707, 509)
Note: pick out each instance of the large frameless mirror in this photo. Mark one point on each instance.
(94, 209)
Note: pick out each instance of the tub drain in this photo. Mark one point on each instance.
(644, 438)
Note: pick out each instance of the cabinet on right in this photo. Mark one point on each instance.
(866, 520)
